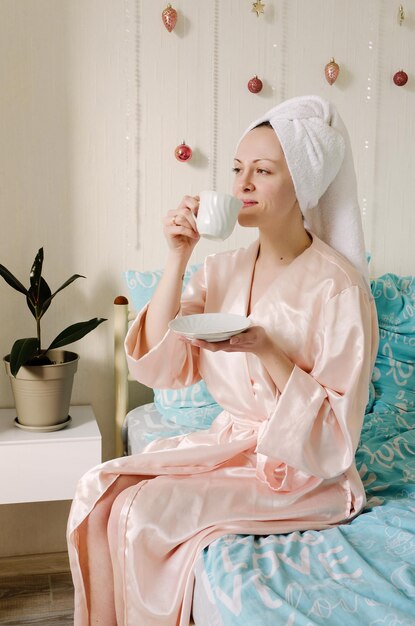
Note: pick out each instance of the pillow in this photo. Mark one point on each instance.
(142, 285)
(192, 406)
(394, 372)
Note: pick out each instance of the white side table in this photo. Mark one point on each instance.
(35, 467)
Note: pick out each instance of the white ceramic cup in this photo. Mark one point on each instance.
(217, 214)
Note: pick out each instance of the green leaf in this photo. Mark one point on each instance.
(38, 299)
(35, 275)
(65, 284)
(75, 332)
(22, 351)
(12, 280)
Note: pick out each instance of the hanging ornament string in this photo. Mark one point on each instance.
(213, 152)
(182, 152)
(255, 84)
(282, 48)
(400, 78)
(332, 69)
(369, 152)
(131, 122)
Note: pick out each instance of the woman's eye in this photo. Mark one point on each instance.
(259, 170)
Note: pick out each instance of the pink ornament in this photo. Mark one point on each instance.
(255, 85)
(400, 78)
(169, 17)
(183, 152)
(331, 71)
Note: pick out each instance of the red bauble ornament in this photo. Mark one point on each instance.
(169, 17)
(255, 85)
(400, 78)
(183, 152)
(331, 71)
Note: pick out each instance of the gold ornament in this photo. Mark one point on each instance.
(401, 15)
(258, 7)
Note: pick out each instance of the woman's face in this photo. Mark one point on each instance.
(263, 181)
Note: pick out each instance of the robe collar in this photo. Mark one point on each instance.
(243, 279)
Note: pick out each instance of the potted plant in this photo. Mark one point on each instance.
(42, 379)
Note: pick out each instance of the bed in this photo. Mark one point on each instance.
(361, 573)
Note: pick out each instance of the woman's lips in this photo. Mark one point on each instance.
(248, 203)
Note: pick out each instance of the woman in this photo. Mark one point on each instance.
(294, 386)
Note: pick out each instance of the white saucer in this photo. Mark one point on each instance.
(43, 429)
(210, 326)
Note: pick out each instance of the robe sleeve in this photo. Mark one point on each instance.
(171, 364)
(317, 420)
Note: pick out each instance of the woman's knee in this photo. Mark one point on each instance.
(99, 516)
(116, 510)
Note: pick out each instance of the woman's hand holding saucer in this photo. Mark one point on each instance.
(254, 340)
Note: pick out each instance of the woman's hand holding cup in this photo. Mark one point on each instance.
(180, 227)
(212, 215)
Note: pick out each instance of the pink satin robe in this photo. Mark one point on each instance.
(271, 462)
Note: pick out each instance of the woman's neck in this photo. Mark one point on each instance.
(283, 249)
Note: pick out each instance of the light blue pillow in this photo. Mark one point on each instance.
(394, 372)
(142, 285)
(192, 406)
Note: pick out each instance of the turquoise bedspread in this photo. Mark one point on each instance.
(359, 574)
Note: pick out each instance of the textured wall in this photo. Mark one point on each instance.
(195, 87)
(64, 66)
(95, 96)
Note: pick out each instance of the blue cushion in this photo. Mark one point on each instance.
(192, 406)
(394, 373)
(142, 285)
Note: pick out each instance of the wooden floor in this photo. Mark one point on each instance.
(36, 589)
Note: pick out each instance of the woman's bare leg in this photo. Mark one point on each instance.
(116, 544)
(95, 556)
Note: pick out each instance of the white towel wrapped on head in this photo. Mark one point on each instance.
(317, 150)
